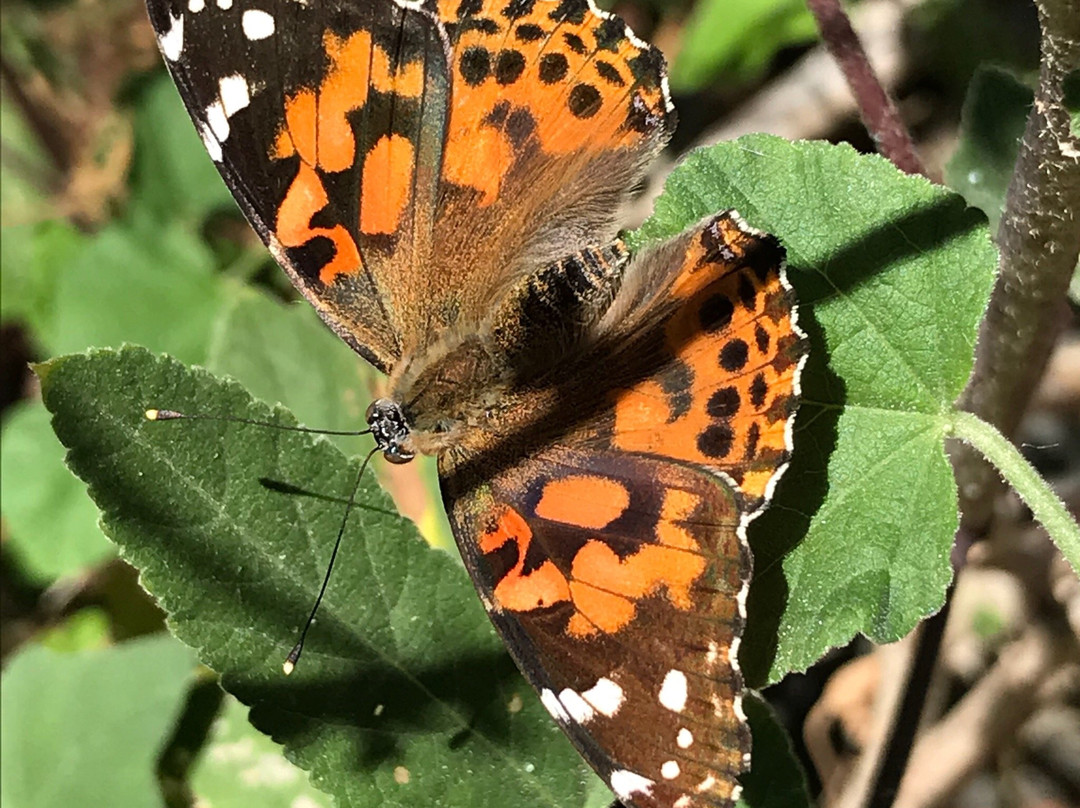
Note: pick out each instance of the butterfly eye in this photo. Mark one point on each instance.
(398, 456)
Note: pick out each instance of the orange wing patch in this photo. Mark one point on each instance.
(553, 74)
(729, 389)
(387, 171)
(584, 501)
(516, 590)
(306, 197)
(316, 127)
(602, 587)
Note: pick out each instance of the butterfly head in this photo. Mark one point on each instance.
(389, 427)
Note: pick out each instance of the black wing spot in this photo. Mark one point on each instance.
(475, 65)
(716, 440)
(469, 7)
(498, 115)
(553, 68)
(518, 8)
(520, 126)
(724, 403)
(715, 313)
(609, 33)
(753, 435)
(584, 101)
(529, 32)
(570, 10)
(574, 43)
(509, 66)
(759, 388)
(761, 337)
(483, 24)
(734, 355)
(747, 292)
(609, 73)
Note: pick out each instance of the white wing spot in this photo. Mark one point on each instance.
(713, 653)
(210, 142)
(673, 691)
(172, 41)
(257, 24)
(224, 5)
(195, 6)
(685, 738)
(235, 94)
(670, 770)
(553, 705)
(706, 784)
(218, 121)
(605, 696)
(626, 783)
(736, 706)
(579, 709)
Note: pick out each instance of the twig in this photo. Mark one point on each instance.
(878, 112)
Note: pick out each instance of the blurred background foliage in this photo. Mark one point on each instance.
(116, 228)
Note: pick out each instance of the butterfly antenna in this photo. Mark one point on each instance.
(173, 415)
(294, 655)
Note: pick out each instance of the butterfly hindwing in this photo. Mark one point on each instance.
(722, 365)
(616, 581)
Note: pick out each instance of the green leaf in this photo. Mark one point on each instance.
(122, 287)
(402, 671)
(776, 779)
(893, 275)
(51, 523)
(86, 728)
(32, 258)
(284, 353)
(85, 630)
(992, 124)
(239, 767)
(736, 38)
(74, 291)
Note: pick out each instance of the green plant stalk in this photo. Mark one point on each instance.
(1047, 508)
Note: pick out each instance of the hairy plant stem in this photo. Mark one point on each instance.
(878, 112)
(1039, 239)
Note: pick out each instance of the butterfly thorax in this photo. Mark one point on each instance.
(468, 379)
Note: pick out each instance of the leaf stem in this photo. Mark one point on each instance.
(878, 112)
(1048, 509)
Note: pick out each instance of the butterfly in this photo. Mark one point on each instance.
(443, 180)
